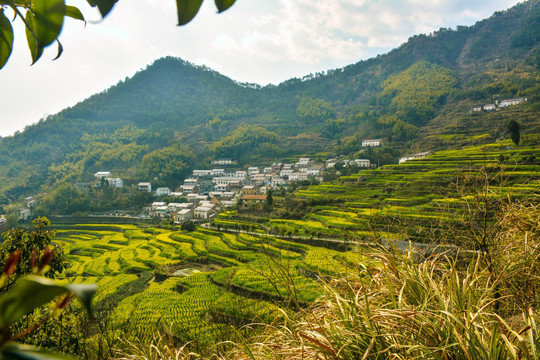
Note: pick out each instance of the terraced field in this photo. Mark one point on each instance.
(198, 284)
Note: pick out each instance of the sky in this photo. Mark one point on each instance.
(255, 41)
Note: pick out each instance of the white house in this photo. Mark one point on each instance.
(298, 176)
(102, 174)
(115, 182)
(221, 187)
(145, 186)
(490, 107)
(286, 173)
(188, 189)
(157, 204)
(240, 174)
(476, 108)
(223, 162)
(252, 170)
(331, 162)
(178, 206)
(205, 213)
(511, 102)
(25, 213)
(372, 142)
(218, 172)
(362, 162)
(420, 155)
(201, 173)
(163, 191)
(311, 171)
(161, 211)
(183, 215)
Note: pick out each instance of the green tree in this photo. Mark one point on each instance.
(514, 128)
(34, 248)
(311, 109)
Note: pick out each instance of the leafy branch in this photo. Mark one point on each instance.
(44, 19)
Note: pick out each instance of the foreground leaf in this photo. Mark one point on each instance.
(60, 49)
(74, 12)
(32, 292)
(27, 352)
(187, 9)
(104, 6)
(48, 20)
(223, 5)
(35, 50)
(6, 39)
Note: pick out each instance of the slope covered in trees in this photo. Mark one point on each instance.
(423, 88)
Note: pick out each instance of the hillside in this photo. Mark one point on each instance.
(174, 109)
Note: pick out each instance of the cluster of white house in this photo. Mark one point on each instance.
(499, 104)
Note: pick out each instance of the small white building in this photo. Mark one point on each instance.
(201, 173)
(221, 187)
(25, 213)
(177, 206)
(189, 189)
(420, 155)
(163, 191)
(490, 107)
(102, 174)
(372, 142)
(286, 173)
(511, 102)
(253, 170)
(240, 174)
(223, 162)
(331, 162)
(115, 182)
(145, 186)
(476, 109)
(298, 176)
(157, 204)
(362, 162)
(162, 211)
(204, 213)
(183, 215)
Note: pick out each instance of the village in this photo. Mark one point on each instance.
(206, 192)
(209, 191)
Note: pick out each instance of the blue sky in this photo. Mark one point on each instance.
(258, 41)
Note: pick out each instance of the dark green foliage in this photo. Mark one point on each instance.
(188, 226)
(246, 142)
(416, 93)
(33, 247)
(312, 110)
(514, 127)
(171, 164)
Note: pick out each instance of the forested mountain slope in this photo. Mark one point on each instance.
(176, 115)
